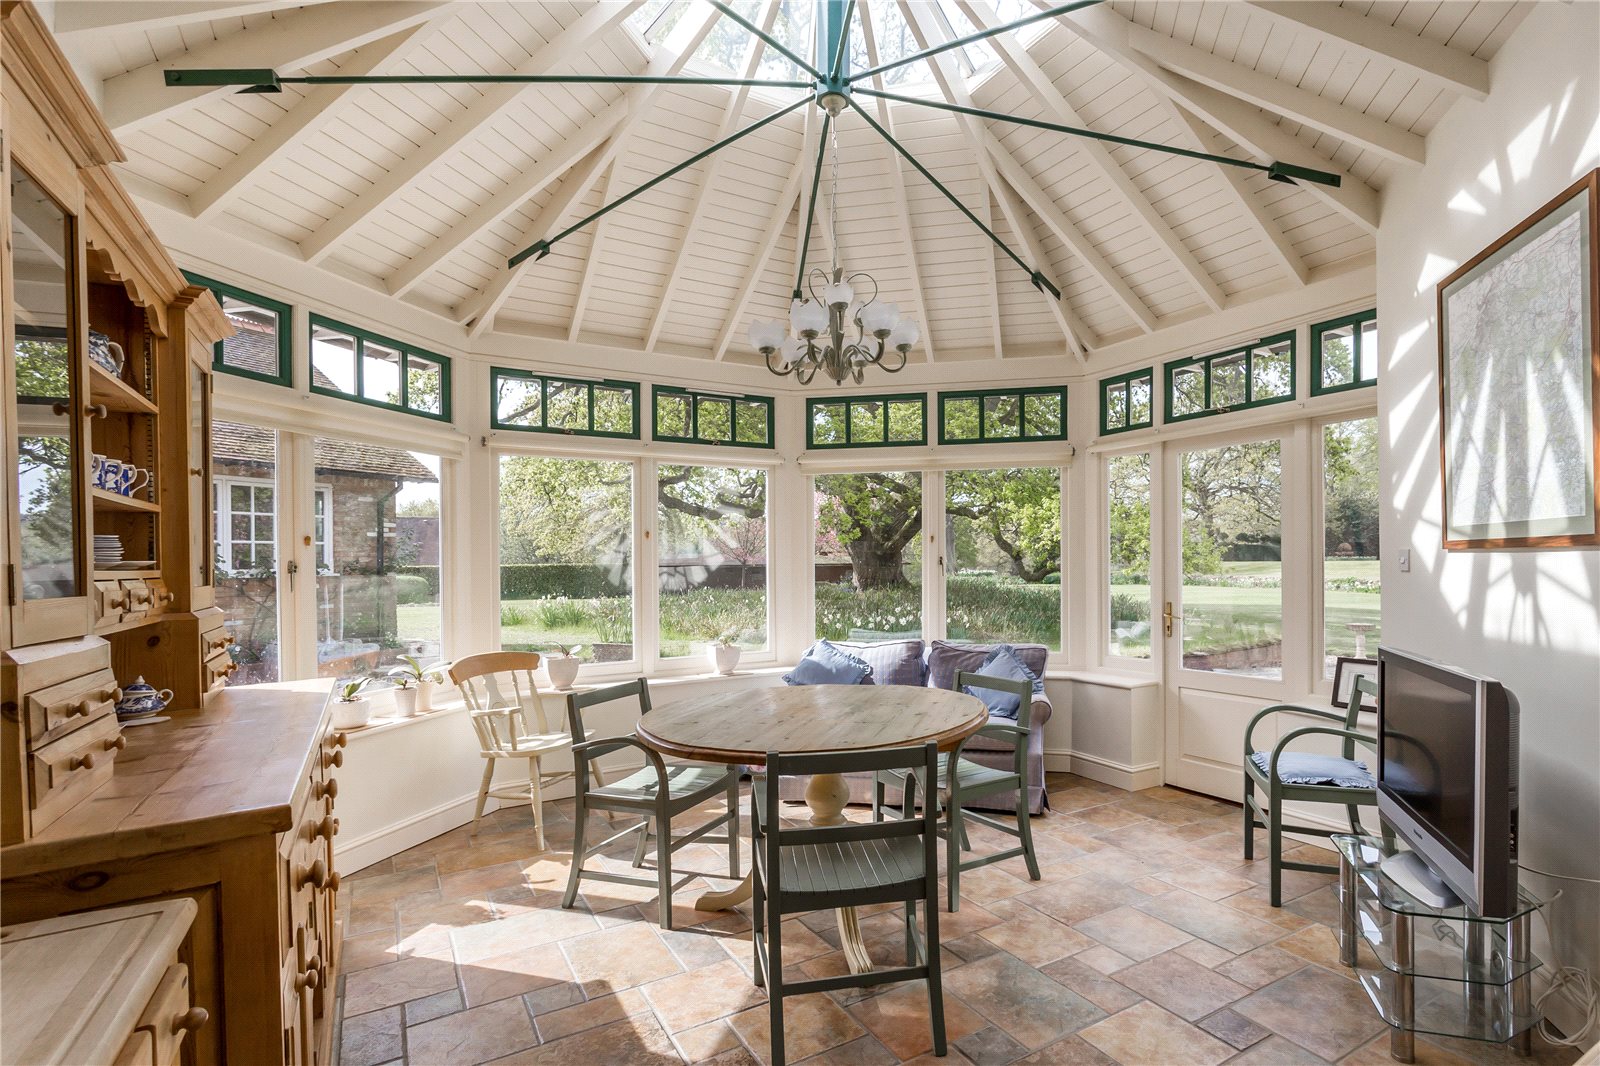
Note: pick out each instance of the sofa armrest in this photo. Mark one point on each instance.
(1040, 712)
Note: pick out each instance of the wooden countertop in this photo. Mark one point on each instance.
(206, 776)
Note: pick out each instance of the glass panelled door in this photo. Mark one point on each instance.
(1223, 617)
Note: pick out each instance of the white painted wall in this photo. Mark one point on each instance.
(1529, 617)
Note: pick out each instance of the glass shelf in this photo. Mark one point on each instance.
(1366, 855)
(1439, 945)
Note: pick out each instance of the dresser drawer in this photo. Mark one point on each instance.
(138, 1050)
(216, 670)
(139, 599)
(160, 598)
(65, 771)
(110, 602)
(169, 1017)
(55, 711)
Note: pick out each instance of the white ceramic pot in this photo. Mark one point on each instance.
(724, 657)
(425, 696)
(405, 702)
(563, 670)
(351, 714)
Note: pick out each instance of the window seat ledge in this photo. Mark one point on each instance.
(1106, 678)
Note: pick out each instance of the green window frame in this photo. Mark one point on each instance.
(1358, 337)
(746, 420)
(285, 313)
(572, 395)
(404, 354)
(1232, 380)
(862, 426)
(982, 405)
(1119, 419)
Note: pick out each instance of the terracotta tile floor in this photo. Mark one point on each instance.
(1149, 940)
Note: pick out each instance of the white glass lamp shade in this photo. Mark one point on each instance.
(767, 333)
(792, 351)
(905, 333)
(838, 294)
(807, 316)
(879, 317)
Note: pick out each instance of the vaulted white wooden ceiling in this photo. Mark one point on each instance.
(422, 192)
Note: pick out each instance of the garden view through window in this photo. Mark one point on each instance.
(566, 556)
(1128, 552)
(712, 562)
(1003, 556)
(1351, 599)
(867, 560)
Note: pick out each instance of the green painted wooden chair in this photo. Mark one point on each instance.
(658, 792)
(852, 865)
(972, 780)
(1292, 777)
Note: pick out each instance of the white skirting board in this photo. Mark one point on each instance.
(1105, 771)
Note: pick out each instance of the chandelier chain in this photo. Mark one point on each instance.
(833, 197)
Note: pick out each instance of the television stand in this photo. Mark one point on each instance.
(1445, 970)
(1411, 873)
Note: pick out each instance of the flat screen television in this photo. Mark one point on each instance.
(1447, 781)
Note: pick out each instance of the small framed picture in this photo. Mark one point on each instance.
(1345, 671)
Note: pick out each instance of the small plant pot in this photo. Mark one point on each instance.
(351, 714)
(724, 658)
(424, 690)
(563, 671)
(405, 702)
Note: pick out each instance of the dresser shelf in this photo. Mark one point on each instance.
(106, 500)
(116, 394)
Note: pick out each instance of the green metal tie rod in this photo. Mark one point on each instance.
(1276, 171)
(811, 208)
(267, 80)
(541, 248)
(971, 37)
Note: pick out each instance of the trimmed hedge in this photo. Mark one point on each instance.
(538, 581)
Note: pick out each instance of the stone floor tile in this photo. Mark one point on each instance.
(1318, 944)
(1144, 1034)
(1206, 953)
(811, 1024)
(899, 1019)
(1257, 903)
(1183, 987)
(1094, 986)
(1261, 966)
(513, 973)
(636, 1041)
(707, 1041)
(1324, 1013)
(437, 1005)
(1081, 897)
(371, 1038)
(518, 932)
(471, 1036)
(602, 1010)
(1222, 926)
(365, 950)
(1319, 906)
(1133, 933)
(394, 983)
(1037, 941)
(1029, 1006)
(1073, 1051)
(702, 995)
(618, 958)
(1207, 882)
(1103, 960)
(390, 887)
(1376, 1053)
(990, 1046)
(1234, 1028)
(1276, 1051)
(553, 997)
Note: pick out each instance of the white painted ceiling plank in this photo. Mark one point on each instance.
(83, 18)
(580, 303)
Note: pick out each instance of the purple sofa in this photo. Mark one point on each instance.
(911, 662)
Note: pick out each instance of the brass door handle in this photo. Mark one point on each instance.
(1167, 618)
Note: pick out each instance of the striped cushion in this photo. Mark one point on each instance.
(893, 662)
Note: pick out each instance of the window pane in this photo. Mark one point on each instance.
(715, 418)
(1116, 406)
(380, 372)
(1338, 356)
(333, 359)
(519, 402)
(712, 569)
(254, 344)
(752, 422)
(1232, 560)
(613, 410)
(244, 463)
(1003, 559)
(1002, 417)
(1369, 351)
(1351, 597)
(827, 423)
(1188, 390)
(569, 405)
(424, 389)
(868, 555)
(1139, 402)
(1042, 414)
(1128, 544)
(866, 423)
(378, 598)
(961, 418)
(905, 421)
(1271, 371)
(1227, 381)
(672, 415)
(566, 556)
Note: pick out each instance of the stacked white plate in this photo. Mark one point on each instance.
(107, 548)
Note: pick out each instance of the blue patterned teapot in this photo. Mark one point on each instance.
(141, 699)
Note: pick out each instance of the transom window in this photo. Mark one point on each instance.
(535, 403)
(867, 421)
(1251, 376)
(260, 347)
(995, 416)
(693, 417)
(357, 365)
(1344, 353)
(1127, 402)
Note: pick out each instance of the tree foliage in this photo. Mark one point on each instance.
(1018, 511)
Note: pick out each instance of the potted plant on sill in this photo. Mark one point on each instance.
(424, 678)
(725, 653)
(351, 710)
(562, 667)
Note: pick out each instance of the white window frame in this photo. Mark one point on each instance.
(223, 513)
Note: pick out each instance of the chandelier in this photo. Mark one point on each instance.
(831, 328)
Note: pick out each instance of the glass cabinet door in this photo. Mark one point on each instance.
(48, 424)
(203, 552)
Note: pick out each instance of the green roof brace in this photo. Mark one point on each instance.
(266, 80)
(772, 42)
(540, 249)
(971, 37)
(811, 207)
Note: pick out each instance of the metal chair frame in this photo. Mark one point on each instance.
(657, 805)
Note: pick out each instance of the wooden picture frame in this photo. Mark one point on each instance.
(1346, 669)
(1518, 467)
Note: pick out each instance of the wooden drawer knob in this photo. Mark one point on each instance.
(118, 744)
(333, 758)
(316, 875)
(328, 828)
(338, 740)
(312, 977)
(85, 708)
(328, 788)
(190, 1020)
(333, 881)
(82, 762)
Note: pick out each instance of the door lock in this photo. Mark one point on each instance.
(1167, 618)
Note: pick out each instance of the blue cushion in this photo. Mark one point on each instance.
(893, 662)
(823, 664)
(1304, 768)
(1003, 662)
(945, 657)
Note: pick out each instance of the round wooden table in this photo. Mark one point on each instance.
(741, 727)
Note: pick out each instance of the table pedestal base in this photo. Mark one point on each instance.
(826, 795)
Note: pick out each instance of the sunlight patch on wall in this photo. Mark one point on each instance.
(1523, 151)
(1434, 268)
(1464, 202)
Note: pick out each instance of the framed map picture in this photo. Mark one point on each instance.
(1519, 383)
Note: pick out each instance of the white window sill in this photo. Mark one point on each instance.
(1106, 678)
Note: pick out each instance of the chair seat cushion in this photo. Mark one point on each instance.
(682, 780)
(1305, 768)
(849, 866)
(824, 664)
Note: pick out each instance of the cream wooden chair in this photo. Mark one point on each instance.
(499, 690)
